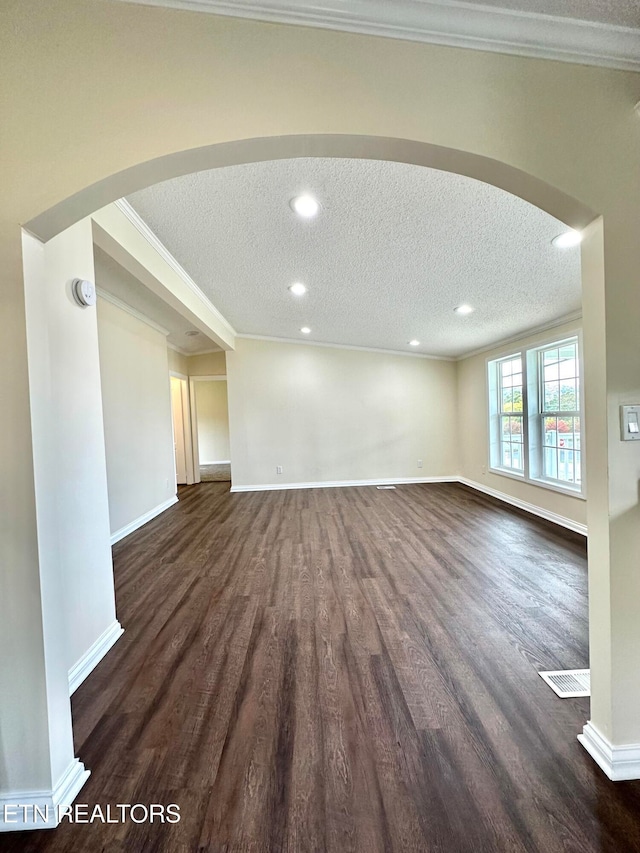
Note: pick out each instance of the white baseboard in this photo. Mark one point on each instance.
(620, 763)
(143, 519)
(217, 462)
(569, 523)
(341, 484)
(94, 654)
(44, 806)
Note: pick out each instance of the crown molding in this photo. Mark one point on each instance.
(141, 226)
(178, 349)
(346, 346)
(445, 22)
(124, 306)
(527, 333)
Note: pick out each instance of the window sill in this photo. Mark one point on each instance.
(543, 484)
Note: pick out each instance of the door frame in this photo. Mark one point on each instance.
(187, 427)
(194, 420)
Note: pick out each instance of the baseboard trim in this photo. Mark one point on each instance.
(619, 763)
(44, 806)
(94, 654)
(342, 484)
(217, 461)
(562, 520)
(143, 519)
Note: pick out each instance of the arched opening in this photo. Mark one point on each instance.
(52, 224)
(553, 201)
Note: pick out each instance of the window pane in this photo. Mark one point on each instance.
(517, 400)
(550, 372)
(551, 396)
(517, 456)
(567, 351)
(550, 431)
(505, 461)
(507, 400)
(565, 465)
(516, 429)
(567, 368)
(550, 356)
(568, 396)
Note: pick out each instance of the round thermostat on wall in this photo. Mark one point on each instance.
(84, 292)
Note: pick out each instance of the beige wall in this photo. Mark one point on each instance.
(178, 363)
(570, 126)
(213, 421)
(137, 414)
(207, 364)
(330, 415)
(474, 426)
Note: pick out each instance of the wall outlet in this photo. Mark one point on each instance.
(419, 463)
(278, 469)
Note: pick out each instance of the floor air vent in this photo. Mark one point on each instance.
(385, 487)
(568, 683)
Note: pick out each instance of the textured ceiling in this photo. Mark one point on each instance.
(623, 13)
(394, 249)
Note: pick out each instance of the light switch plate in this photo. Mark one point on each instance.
(630, 416)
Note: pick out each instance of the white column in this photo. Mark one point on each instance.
(61, 613)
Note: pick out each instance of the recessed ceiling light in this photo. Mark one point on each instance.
(305, 206)
(414, 343)
(191, 333)
(464, 309)
(567, 239)
(298, 289)
(305, 330)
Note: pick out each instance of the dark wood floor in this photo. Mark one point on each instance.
(345, 670)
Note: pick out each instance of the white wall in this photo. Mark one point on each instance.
(75, 570)
(137, 412)
(213, 421)
(474, 423)
(329, 415)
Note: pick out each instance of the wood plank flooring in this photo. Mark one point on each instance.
(344, 670)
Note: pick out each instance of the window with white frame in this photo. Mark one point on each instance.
(535, 415)
(511, 413)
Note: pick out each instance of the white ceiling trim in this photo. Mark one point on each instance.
(445, 22)
(347, 346)
(528, 333)
(139, 223)
(124, 306)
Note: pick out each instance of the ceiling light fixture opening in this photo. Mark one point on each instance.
(567, 240)
(464, 309)
(305, 206)
(191, 333)
(414, 343)
(305, 330)
(298, 289)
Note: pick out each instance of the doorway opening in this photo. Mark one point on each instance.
(211, 412)
(182, 439)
